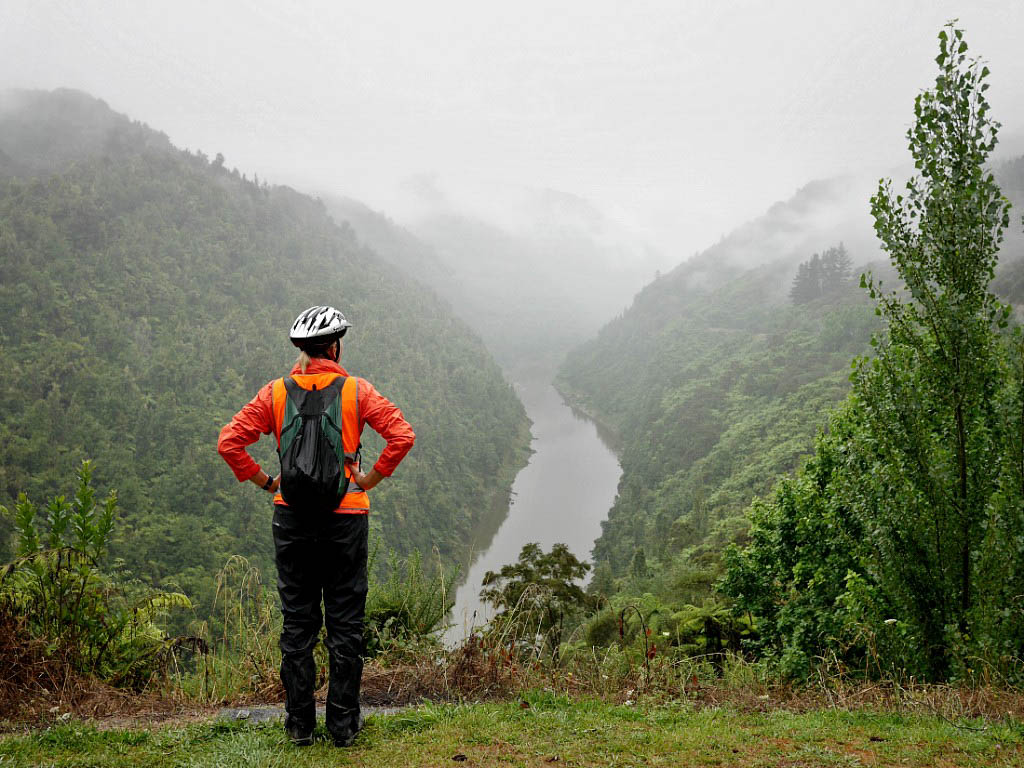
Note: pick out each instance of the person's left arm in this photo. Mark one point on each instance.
(385, 418)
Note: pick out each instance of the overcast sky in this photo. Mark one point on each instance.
(681, 118)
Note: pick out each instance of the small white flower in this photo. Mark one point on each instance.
(890, 621)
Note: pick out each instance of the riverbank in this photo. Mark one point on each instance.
(542, 729)
(608, 433)
(495, 505)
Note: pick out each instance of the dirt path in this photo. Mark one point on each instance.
(264, 714)
(152, 718)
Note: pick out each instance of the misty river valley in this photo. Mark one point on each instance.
(591, 310)
(560, 496)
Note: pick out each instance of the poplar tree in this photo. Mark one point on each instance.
(929, 394)
(899, 547)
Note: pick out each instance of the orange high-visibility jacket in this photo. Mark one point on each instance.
(355, 500)
(360, 404)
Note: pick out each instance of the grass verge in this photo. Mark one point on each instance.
(542, 729)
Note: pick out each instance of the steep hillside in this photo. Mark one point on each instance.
(715, 383)
(43, 132)
(145, 295)
(735, 391)
(820, 215)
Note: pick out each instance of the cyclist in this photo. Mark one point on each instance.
(320, 551)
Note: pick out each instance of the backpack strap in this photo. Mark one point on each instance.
(291, 414)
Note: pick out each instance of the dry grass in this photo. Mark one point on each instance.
(39, 686)
(472, 672)
(478, 671)
(946, 701)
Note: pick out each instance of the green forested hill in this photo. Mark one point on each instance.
(730, 398)
(145, 295)
(715, 384)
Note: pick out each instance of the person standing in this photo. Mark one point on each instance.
(321, 505)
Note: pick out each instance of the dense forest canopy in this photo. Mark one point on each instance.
(145, 295)
(714, 383)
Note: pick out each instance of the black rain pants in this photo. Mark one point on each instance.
(321, 555)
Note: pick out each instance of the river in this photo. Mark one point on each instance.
(560, 496)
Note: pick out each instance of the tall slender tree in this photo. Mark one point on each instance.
(916, 495)
(930, 390)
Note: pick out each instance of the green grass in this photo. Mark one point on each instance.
(551, 731)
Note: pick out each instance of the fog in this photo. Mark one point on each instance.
(678, 121)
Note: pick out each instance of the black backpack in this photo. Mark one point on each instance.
(311, 450)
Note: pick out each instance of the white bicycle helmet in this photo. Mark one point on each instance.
(318, 326)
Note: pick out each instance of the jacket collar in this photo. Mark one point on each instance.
(320, 365)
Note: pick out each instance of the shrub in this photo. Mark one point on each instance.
(98, 625)
(408, 606)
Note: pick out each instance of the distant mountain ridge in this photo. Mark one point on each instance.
(391, 241)
(77, 126)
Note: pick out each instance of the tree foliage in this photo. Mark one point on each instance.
(539, 593)
(730, 398)
(821, 276)
(902, 541)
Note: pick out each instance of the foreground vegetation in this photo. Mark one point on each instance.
(901, 544)
(542, 729)
(543, 694)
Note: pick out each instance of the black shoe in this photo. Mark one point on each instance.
(301, 735)
(346, 737)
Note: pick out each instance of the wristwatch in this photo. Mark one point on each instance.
(270, 482)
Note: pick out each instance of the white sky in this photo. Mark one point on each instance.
(680, 118)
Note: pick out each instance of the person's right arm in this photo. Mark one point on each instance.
(256, 418)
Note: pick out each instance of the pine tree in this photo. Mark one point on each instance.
(815, 273)
(843, 265)
(822, 275)
(798, 293)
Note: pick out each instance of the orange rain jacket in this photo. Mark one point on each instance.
(371, 407)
